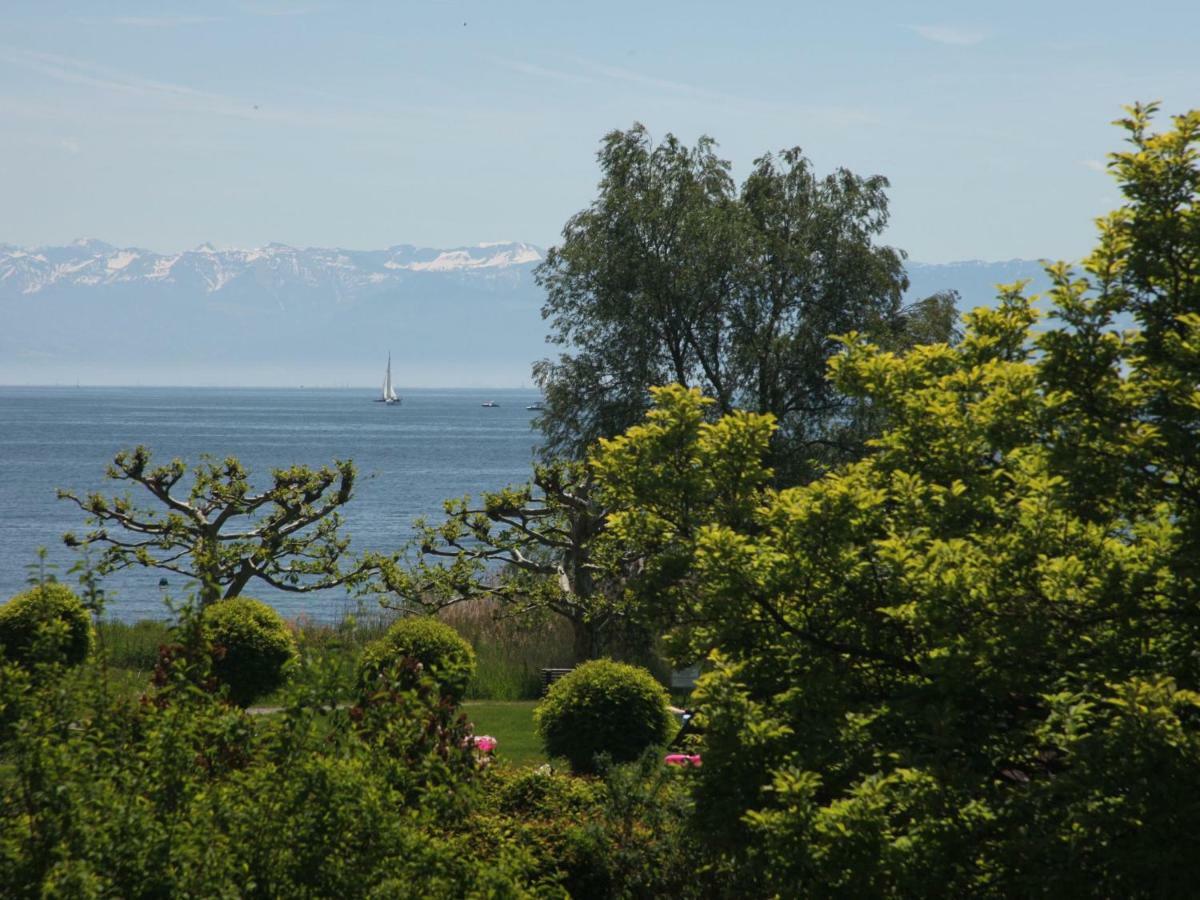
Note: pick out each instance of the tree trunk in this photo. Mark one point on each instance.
(586, 642)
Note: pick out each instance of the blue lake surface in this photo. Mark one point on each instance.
(438, 444)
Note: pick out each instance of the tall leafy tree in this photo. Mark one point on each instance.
(674, 275)
(811, 269)
(637, 289)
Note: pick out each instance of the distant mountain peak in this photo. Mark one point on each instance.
(276, 269)
(92, 245)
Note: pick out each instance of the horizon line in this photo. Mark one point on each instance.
(278, 387)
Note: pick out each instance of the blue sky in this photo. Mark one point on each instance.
(362, 125)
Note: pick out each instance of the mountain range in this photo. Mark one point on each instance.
(466, 316)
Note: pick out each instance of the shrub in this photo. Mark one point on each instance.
(46, 624)
(444, 656)
(542, 794)
(603, 707)
(252, 646)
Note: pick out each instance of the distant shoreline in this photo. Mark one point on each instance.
(264, 387)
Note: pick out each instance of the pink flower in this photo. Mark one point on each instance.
(484, 743)
(682, 759)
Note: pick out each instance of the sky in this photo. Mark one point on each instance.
(363, 125)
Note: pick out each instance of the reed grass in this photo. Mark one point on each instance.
(132, 645)
(510, 651)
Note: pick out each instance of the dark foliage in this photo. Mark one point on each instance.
(251, 647)
(603, 708)
(442, 654)
(46, 624)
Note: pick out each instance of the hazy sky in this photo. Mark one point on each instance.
(368, 124)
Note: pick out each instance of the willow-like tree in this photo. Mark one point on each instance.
(221, 532)
(674, 275)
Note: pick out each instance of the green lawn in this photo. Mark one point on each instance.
(510, 722)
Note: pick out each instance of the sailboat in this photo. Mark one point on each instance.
(388, 395)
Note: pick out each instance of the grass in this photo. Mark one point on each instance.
(510, 652)
(132, 646)
(510, 722)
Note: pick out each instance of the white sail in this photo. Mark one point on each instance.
(389, 393)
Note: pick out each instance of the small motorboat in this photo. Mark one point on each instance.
(489, 404)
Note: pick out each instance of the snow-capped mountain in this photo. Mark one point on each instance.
(275, 268)
(93, 312)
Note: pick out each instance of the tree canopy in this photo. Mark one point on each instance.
(674, 275)
(220, 531)
(531, 547)
(965, 664)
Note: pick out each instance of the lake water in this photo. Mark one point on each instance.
(438, 444)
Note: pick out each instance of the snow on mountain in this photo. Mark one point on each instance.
(276, 267)
(270, 314)
(278, 314)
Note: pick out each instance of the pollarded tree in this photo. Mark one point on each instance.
(220, 531)
(530, 547)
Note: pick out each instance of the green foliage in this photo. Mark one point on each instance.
(46, 624)
(674, 275)
(662, 481)
(527, 547)
(252, 647)
(221, 531)
(621, 835)
(442, 654)
(543, 794)
(964, 665)
(132, 645)
(603, 707)
(184, 795)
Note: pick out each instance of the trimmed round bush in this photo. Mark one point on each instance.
(603, 707)
(443, 654)
(252, 647)
(46, 624)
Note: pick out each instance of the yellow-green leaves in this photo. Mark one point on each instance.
(974, 650)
